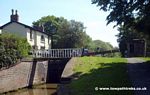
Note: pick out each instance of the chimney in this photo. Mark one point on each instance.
(14, 17)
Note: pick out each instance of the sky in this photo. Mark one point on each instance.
(79, 10)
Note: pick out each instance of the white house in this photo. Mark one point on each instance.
(0, 30)
(36, 36)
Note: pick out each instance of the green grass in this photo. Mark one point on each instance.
(91, 72)
(146, 58)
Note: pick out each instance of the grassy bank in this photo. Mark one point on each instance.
(92, 73)
(146, 58)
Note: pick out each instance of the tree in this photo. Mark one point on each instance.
(66, 34)
(130, 13)
(98, 45)
(128, 34)
(50, 23)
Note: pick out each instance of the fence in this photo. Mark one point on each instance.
(57, 53)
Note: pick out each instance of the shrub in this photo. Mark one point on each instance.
(12, 48)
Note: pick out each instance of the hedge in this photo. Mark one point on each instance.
(12, 48)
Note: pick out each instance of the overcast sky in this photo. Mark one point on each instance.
(79, 10)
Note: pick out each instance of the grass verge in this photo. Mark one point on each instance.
(146, 58)
(97, 72)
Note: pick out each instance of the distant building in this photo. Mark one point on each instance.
(136, 48)
(36, 36)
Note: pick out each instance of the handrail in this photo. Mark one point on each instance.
(57, 53)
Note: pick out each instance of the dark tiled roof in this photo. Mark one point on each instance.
(26, 26)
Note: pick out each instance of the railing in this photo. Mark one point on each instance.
(57, 53)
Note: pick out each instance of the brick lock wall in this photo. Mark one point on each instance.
(20, 75)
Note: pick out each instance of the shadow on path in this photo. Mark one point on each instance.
(139, 73)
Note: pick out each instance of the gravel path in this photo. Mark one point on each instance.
(139, 73)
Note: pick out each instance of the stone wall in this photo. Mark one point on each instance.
(41, 72)
(22, 75)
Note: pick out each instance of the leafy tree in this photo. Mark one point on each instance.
(98, 45)
(66, 34)
(126, 35)
(132, 17)
(130, 13)
(50, 24)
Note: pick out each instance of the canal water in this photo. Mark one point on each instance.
(44, 89)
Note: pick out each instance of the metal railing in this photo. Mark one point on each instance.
(57, 53)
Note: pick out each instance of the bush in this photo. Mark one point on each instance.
(12, 48)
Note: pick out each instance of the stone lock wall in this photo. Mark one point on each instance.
(40, 72)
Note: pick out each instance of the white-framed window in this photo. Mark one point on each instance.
(42, 38)
(34, 47)
(31, 34)
(42, 48)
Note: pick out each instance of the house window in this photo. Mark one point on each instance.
(42, 48)
(42, 38)
(34, 47)
(31, 35)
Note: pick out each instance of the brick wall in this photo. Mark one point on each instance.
(23, 75)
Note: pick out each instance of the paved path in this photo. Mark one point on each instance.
(139, 73)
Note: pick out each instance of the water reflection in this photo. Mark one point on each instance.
(45, 89)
